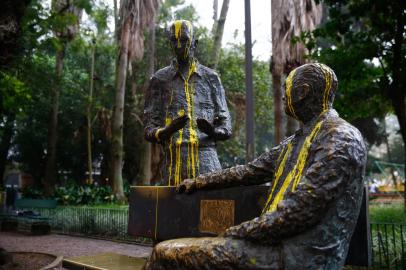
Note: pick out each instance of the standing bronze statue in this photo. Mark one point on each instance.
(316, 179)
(186, 110)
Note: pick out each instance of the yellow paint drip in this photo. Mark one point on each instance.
(178, 31)
(296, 173)
(193, 145)
(168, 121)
(178, 163)
(328, 79)
(278, 174)
(304, 152)
(289, 83)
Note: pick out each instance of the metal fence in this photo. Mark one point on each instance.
(388, 239)
(89, 221)
(388, 245)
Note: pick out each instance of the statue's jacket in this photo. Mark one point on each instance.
(189, 151)
(316, 180)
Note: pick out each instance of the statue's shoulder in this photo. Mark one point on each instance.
(339, 129)
(164, 74)
(206, 71)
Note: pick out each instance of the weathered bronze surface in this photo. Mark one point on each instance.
(186, 110)
(314, 199)
(216, 215)
(161, 213)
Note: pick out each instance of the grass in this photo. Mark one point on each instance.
(387, 213)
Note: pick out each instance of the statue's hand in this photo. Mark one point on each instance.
(231, 232)
(176, 124)
(186, 186)
(205, 126)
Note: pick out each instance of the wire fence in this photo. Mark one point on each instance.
(388, 239)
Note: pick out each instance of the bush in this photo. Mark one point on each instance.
(73, 194)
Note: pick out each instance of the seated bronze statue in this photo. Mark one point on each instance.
(316, 180)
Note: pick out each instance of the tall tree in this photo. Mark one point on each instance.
(89, 114)
(135, 16)
(218, 34)
(366, 47)
(289, 19)
(66, 27)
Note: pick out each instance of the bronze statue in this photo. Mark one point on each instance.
(316, 178)
(186, 110)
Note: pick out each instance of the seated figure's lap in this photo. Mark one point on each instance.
(213, 253)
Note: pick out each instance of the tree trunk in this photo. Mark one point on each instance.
(115, 13)
(50, 168)
(278, 108)
(215, 15)
(400, 112)
(89, 118)
(219, 34)
(147, 162)
(5, 145)
(397, 93)
(117, 136)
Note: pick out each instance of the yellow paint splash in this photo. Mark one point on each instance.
(289, 83)
(296, 173)
(278, 174)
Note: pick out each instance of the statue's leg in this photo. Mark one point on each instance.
(211, 253)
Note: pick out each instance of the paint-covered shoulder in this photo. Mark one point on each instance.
(164, 74)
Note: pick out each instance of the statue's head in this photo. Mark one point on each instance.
(309, 90)
(182, 40)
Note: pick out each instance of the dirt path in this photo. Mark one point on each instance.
(68, 246)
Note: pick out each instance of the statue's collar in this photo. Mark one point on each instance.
(175, 71)
(307, 128)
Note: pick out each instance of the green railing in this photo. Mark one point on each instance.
(97, 222)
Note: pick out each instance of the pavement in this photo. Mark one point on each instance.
(68, 246)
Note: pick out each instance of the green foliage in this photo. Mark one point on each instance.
(73, 194)
(232, 73)
(357, 41)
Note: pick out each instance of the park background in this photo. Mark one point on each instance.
(65, 67)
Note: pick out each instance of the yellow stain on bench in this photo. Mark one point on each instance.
(106, 261)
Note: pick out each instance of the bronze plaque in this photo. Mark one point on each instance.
(216, 215)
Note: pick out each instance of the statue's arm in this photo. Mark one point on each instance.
(325, 180)
(153, 107)
(222, 119)
(258, 171)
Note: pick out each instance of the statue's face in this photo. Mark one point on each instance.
(181, 40)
